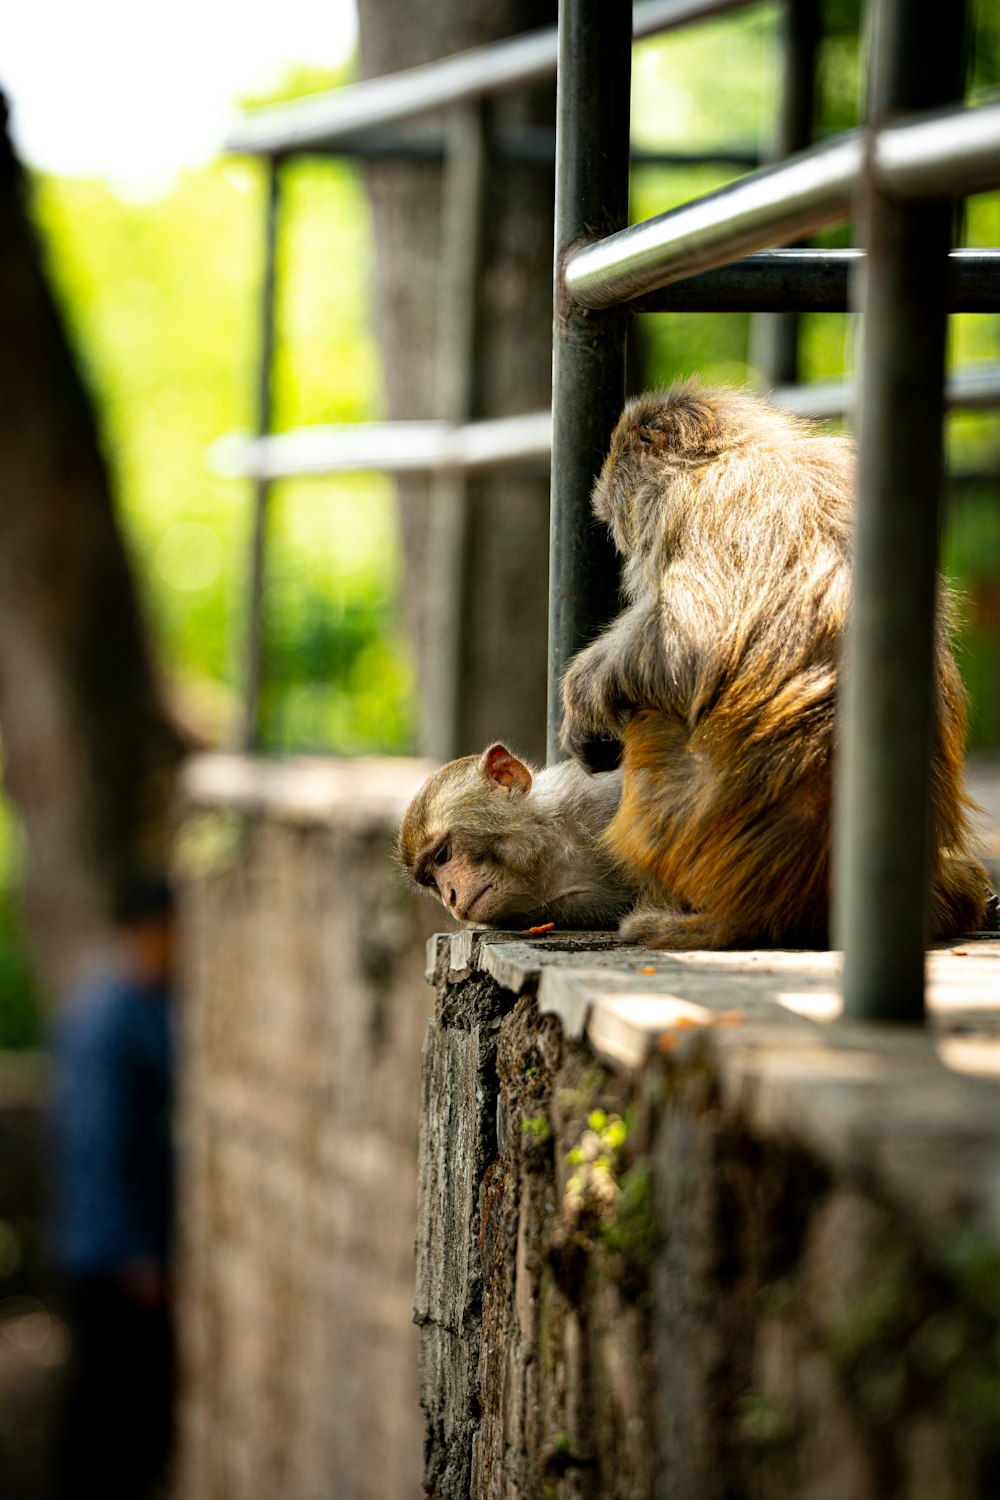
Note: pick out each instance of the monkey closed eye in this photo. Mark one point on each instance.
(440, 857)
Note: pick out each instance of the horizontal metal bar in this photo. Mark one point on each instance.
(528, 144)
(388, 447)
(323, 121)
(796, 197)
(653, 156)
(972, 389)
(812, 281)
(429, 447)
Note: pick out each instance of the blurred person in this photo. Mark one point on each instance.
(113, 1206)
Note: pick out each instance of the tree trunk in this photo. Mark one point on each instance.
(502, 649)
(89, 749)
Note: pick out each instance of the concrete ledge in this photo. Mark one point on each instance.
(626, 999)
(861, 1096)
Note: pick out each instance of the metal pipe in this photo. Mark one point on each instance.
(774, 337)
(415, 447)
(952, 152)
(768, 281)
(530, 145)
(424, 447)
(887, 712)
(812, 281)
(323, 121)
(253, 647)
(463, 230)
(588, 379)
(320, 122)
(966, 390)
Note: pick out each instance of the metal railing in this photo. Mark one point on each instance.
(366, 120)
(807, 192)
(333, 122)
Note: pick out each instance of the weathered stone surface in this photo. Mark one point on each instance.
(458, 1139)
(304, 1011)
(712, 1249)
(34, 1342)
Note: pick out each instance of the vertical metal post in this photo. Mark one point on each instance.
(592, 162)
(463, 217)
(253, 647)
(882, 844)
(775, 336)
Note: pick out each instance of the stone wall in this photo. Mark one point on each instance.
(33, 1337)
(303, 1015)
(679, 1240)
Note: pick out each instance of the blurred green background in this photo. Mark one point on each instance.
(161, 297)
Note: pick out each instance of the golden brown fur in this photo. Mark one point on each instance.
(734, 521)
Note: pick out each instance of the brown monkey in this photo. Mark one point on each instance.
(502, 844)
(734, 522)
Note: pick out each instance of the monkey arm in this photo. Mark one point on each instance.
(609, 679)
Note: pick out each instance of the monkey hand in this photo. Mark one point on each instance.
(594, 705)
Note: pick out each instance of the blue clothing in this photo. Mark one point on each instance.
(113, 1166)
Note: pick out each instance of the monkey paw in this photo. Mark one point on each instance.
(588, 735)
(650, 928)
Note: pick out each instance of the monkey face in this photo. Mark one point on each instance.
(473, 888)
(463, 837)
(476, 885)
(463, 883)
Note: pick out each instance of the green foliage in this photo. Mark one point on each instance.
(676, 83)
(162, 300)
(634, 1231)
(972, 557)
(20, 1019)
(760, 1420)
(161, 296)
(337, 671)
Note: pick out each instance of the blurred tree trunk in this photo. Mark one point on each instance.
(502, 655)
(89, 750)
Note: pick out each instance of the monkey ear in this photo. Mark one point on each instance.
(505, 770)
(651, 439)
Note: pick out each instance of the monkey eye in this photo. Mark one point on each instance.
(442, 855)
(645, 435)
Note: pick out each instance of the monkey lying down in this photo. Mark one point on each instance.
(719, 678)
